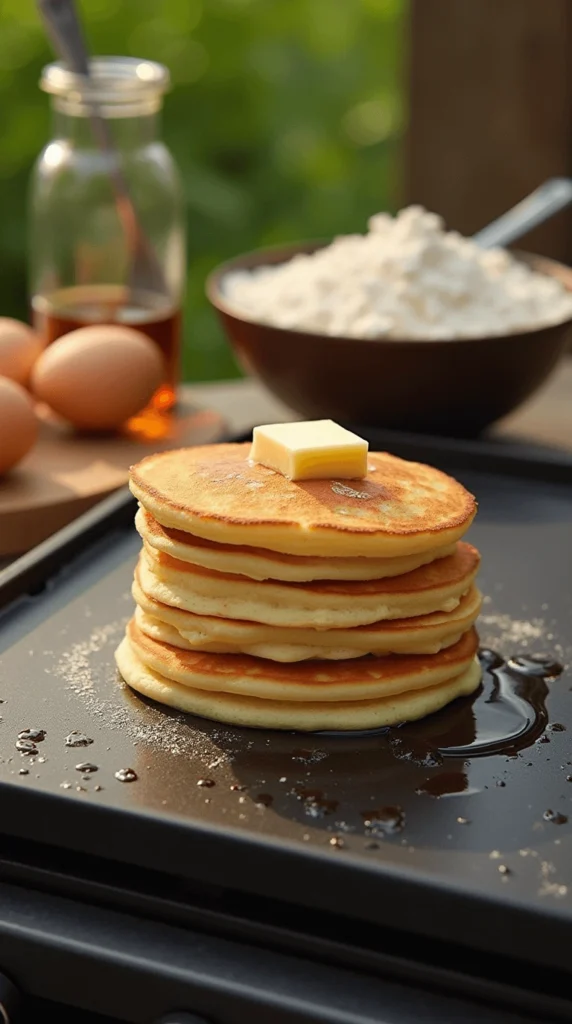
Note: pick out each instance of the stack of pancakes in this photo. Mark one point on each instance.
(322, 605)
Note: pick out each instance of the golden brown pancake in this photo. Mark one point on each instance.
(161, 631)
(424, 634)
(259, 564)
(214, 492)
(234, 708)
(338, 604)
(364, 679)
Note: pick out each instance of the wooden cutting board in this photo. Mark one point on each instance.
(66, 473)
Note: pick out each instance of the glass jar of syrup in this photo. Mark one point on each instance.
(107, 240)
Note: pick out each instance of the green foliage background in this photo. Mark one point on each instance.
(285, 118)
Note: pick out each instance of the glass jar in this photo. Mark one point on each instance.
(107, 242)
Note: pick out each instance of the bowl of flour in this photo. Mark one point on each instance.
(407, 326)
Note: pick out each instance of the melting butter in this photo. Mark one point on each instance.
(312, 450)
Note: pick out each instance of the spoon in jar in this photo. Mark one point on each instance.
(63, 27)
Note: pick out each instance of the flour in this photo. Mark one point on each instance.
(406, 278)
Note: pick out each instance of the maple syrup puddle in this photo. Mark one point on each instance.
(506, 714)
(509, 711)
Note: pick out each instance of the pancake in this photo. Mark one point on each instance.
(425, 634)
(287, 653)
(314, 681)
(306, 716)
(214, 492)
(259, 564)
(438, 586)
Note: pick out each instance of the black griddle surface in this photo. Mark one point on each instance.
(481, 867)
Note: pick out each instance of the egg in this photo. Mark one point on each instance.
(20, 346)
(98, 377)
(18, 424)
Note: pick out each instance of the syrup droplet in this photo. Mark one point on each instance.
(36, 735)
(23, 771)
(77, 739)
(385, 821)
(542, 665)
(445, 784)
(87, 767)
(337, 842)
(264, 800)
(235, 788)
(316, 805)
(206, 783)
(555, 817)
(410, 747)
(504, 870)
(557, 727)
(126, 775)
(489, 658)
(26, 747)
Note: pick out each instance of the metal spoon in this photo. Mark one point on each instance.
(64, 30)
(546, 200)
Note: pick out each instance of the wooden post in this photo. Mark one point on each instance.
(490, 92)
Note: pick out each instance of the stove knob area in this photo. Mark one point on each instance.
(9, 1001)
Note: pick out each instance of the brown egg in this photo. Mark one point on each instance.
(99, 376)
(18, 424)
(20, 346)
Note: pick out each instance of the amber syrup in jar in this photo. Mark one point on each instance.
(85, 305)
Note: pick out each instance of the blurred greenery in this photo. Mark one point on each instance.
(285, 118)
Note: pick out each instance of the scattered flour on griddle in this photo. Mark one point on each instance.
(506, 634)
(92, 678)
(75, 664)
(548, 884)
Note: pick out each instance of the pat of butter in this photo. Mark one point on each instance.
(316, 450)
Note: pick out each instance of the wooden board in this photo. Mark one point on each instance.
(65, 474)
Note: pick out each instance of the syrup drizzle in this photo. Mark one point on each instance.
(507, 714)
(509, 710)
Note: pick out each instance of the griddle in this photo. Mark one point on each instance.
(250, 875)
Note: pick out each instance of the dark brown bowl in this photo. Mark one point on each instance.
(454, 387)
